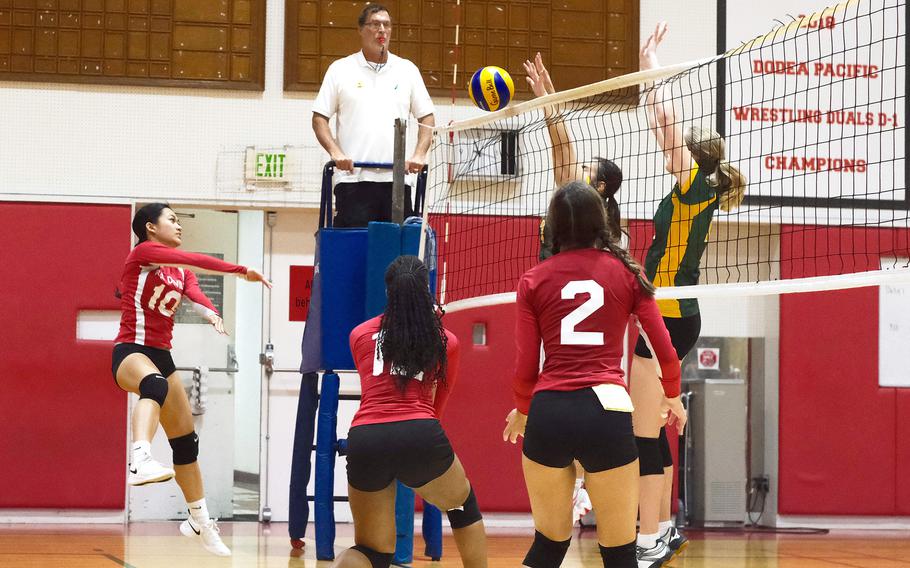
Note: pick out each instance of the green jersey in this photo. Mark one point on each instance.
(681, 226)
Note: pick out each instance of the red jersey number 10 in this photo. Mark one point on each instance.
(163, 308)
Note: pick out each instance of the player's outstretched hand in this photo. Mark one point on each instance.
(647, 55)
(253, 275)
(538, 77)
(217, 323)
(515, 426)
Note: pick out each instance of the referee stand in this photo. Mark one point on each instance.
(348, 289)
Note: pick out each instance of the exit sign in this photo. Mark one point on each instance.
(268, 166)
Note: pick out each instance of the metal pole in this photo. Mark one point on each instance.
(401, 129)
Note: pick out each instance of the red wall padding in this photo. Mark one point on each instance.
(476, 412)
(63, 427)
(837, 427)
(902, 446)
(641, 233)
(840, 435)
(485, 255)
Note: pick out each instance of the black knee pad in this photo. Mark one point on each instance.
(665, 454)
(186, 448)
(377, 559)
(546, 553)
(649, 460)
(619, 556)
(153, 387)
(467, 514)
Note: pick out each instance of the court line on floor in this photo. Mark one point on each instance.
(119, 561)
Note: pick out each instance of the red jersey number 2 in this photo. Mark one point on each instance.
(567, 333)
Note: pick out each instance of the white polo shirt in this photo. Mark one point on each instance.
(365, 103)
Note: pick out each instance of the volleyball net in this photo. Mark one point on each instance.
(813, 114)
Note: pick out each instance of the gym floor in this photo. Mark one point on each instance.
(159, 545)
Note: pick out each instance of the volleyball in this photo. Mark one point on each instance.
(491, 88)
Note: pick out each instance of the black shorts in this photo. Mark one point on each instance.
(161, 358)
(664, 443)
(683, 333)
(573, 425)
(358, 203)
(414, 452)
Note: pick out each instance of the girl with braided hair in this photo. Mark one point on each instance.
(578, 304)
(705, 181)
(408, 363)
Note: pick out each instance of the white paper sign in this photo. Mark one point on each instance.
(893, 330)
(708, 359)
(816, 109)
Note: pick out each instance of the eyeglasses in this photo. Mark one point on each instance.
(376, 26)
(585, 172)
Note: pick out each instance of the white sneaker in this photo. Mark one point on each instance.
(653, 557)
(146, 470)
(581, 504)
(209, 533)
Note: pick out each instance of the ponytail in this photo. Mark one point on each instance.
(411, 336)
(731, 184)
(610, 175)
(612, 246)
(709, 150)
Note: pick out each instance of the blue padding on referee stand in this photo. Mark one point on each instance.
(404, 525)
(311, 344)
(298, 506)
(410, 244)
(432, 531)
(343, 262)
(384, 246)
(326, 440)
(410, 239)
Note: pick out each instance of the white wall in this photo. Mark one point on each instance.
(692, 34)
(111, 143)
(289, 242)
(248, 342)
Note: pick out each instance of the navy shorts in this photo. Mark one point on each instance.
(572, 425)
(414, 452)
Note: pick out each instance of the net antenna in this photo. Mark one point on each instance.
(814, 112)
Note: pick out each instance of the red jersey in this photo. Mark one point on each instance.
(578, 302)
(381, 400)
(155, 279)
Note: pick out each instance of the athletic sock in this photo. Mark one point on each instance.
(141, 449)
(646, 541)
(664, 527)
(199, 511)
